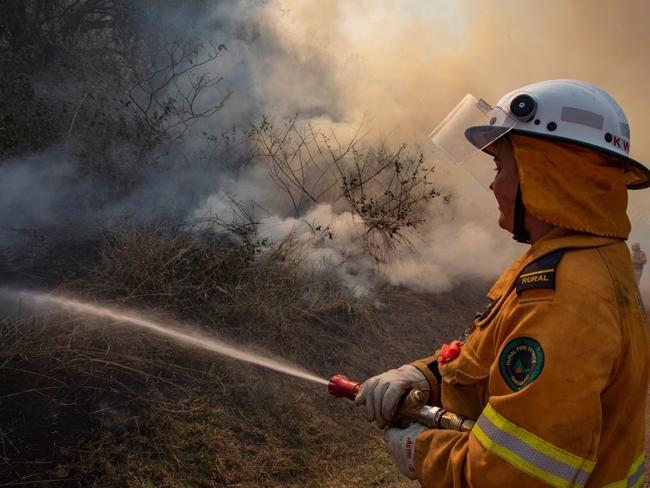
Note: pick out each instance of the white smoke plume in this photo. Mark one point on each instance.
(396, 67)
(403, 65)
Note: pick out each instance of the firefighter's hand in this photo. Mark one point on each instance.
(381, 394)
(401, 445)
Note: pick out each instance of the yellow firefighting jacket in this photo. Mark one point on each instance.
(555, 371)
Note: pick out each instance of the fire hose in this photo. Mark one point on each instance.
(411, 409)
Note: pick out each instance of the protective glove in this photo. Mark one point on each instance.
(381, 394)
(401, 445)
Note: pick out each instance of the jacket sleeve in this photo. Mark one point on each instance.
(429, 368)
(541, 424)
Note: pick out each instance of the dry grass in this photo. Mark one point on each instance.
(95, 404)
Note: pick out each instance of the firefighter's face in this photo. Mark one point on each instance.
(506, 181)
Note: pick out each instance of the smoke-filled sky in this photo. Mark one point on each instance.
(398, 66)
(408, 62)
(402, 65)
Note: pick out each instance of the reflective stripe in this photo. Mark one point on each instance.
(530, 453)
(635, 476)
(537, 272)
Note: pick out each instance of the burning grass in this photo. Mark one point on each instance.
(87, 403)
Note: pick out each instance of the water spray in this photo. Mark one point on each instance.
(182, 335)
(411, 409)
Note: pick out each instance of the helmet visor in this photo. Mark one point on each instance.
(468, 129)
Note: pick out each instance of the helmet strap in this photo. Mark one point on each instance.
(520, 234)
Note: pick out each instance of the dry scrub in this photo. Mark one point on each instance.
(99, 404)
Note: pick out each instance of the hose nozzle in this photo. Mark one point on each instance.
(412, 408)
(343, 387)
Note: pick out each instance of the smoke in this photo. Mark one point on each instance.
(402, 67)
(255, 69)
(26, 199)
(396, 67)
(456, 243)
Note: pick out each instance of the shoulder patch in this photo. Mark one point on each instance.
(521, 362)
(540, 273)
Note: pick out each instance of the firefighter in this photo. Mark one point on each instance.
(555, 370)
(638, 261)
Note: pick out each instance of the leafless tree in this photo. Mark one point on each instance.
(388, 189)
(170, 86)
(299, 162)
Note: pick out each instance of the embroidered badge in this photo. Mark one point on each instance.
(540, 273)
(521, 362)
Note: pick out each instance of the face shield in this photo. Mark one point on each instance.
(468, 129)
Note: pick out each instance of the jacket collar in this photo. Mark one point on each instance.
(557, 238)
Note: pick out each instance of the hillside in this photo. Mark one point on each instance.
(94, 403)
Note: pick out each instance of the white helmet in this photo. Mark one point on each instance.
(568, 110)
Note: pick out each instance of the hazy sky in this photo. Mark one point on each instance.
(405, 63)
(401, 65)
